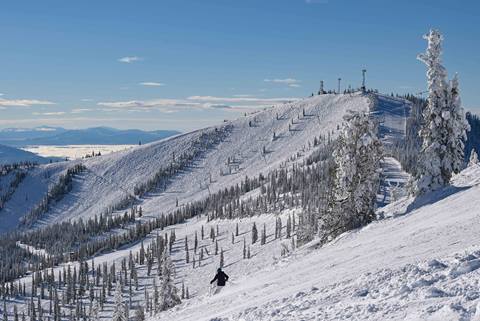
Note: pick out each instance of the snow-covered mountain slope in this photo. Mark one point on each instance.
(10, 155)
(250, 145)
(423, 263)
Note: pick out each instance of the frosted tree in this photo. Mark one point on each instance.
(127, 312)
(119, 306)
(289, 226)
(263, 237)
(444, 128)
(139, 314)
(168, 291)
(222, 259)
(187, 256)
(5, 313)
(459, 127)
(94, 312)
(244, 249)
(254, 233)
(356, 178)
(473, 158)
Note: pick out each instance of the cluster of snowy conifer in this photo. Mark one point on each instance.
(356, 179)
(55, 194)
(444, 125)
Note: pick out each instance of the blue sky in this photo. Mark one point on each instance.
(185, 64)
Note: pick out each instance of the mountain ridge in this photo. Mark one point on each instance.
(264, 140)
(44, 135)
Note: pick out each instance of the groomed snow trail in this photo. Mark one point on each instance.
(393, 182)
(421, 265)
(392, 115)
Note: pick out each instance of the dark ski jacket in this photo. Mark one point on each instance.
(221, 278)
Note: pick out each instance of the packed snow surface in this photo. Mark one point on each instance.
(423, 263)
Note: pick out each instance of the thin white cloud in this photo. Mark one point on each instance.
(240, 99)
(80, 110)
(23, 102)
(36, 121)
(147, 103)
(192, 103)
(215, 106)
(290, 82)
(108, 110)
(286, 81)
(244, 95)
(44, 129)
(53, 113)
(86, 99)
(151, 84)
(129, 59)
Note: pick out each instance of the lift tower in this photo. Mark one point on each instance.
(320, 91)
(364, 71)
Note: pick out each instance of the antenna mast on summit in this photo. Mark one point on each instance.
(364, 71)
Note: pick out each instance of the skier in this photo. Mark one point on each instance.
(221, 279)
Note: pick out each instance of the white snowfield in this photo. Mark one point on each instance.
(423, 263)
(110, 178)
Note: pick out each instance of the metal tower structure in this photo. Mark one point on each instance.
(364, 71)
(320, 91)
(339, 80)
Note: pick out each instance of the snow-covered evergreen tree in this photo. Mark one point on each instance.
(168, 291)
(473, 158)
(94, 312)
(459, 128)
(254, 233)
(263, 237)
(244, 249)
(139, 314)
(119, 306)
(222, 259)
(444, 129)
(5, 313)
(356, 178)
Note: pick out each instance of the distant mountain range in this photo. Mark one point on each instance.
(20, 137)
